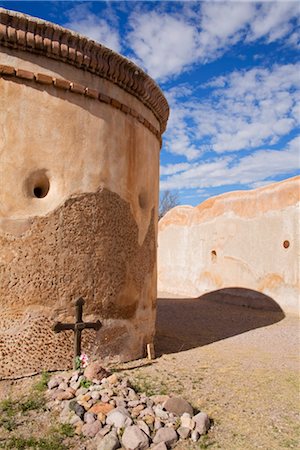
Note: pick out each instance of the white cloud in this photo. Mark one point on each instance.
(85, 22)
(251, 108)
(249, 170)
(167, 43)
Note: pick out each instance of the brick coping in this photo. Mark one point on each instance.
(76, 88)
(26, 33)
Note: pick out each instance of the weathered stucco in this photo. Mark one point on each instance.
(244, 239)
(79, 160)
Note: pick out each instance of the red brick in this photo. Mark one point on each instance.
(115, 103)
(104, 98)
(25, 74)
(7, 70)
(62, 84)
(77, 88)
(43, 78)
(91, 93)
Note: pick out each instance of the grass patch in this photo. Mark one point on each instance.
(8, 411)
(42, 384)
(206, 442)
(84, 383)
(47, 443)
(148, 386)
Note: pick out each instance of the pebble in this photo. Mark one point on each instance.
(104, 413)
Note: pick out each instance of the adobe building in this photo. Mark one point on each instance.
(243, 239)
(80, 136)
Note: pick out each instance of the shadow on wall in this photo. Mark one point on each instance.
(185, 323)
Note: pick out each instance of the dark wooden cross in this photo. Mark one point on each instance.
(77, 327)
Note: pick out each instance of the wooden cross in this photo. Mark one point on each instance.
(77, 327)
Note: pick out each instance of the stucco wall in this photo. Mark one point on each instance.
(79, 160)
(234, 240)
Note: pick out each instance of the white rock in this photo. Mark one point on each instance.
(187, 422)
(118, 418)
(160, 446)
(202, 422)
(166, 435)
(183, 432)
(195, 436)
(109, 442)
(135, 439)
(143, 426)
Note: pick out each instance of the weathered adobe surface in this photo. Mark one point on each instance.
(87, 247)
(25, 33)
(242, 239)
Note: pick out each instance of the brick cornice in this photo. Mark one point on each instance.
(30, 34)
(9, 72)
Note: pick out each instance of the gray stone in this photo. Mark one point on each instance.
(195, 436)
(183, 432)
(157, 424)
(105, 398)
(89, 417)
(81, 391)
(202, 422)
(53, 383)
(95, 395)
(63, 386)
(160, 446)
(119, 417)
(133, 403)
(135, 439)
(166, 435)
(178, 405)
(95, 371)
(91, 429)
(147, 412)
(109, 442)
(143, 426)
(74, 419)
(187, 421)
(78, 409)
(160, 413)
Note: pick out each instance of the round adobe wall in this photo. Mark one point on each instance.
(79, 159)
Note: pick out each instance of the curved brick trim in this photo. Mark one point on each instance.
(66, 85)
(34, 35)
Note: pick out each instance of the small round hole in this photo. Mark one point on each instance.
(286, 244)
(213, 255)
(37, 184)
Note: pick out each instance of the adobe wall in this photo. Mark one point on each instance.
(80, 136)
(245, 239)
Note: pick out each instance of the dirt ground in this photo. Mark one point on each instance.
(238, 364)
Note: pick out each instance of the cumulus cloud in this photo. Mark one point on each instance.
(243, 110)
(95, 27)
(251, 170)
(167, 43)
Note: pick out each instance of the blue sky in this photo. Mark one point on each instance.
(230, 71)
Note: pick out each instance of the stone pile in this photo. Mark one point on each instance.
(115, 416)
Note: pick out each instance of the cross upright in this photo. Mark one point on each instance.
(77, 327)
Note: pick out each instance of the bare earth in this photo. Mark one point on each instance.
(239, 365)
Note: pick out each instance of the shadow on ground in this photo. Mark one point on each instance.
(185, 323)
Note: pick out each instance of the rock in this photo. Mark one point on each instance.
(133, 403)
(81, 391)
(63, 386)
(159, 398)
(78, 409)
(157, 424)
(160, 446)
(136, 410)
(166, 435)
(95, 371)
(118, 418)
(109, 442)
(135, 439)
(53, 383)
(78, 427)
(104, 431)
(101, 417)
(75, 385)
(187, 421)
(178, 405)
(160, 413)
(91, 429)
(144, 427)
(105, 398)
(95, 395)
(89, 418)
(65, 395)
(195, 436)
(113, 379)
(74, 419)
(147, 412)
(183, 432)
(149, 419)
(202, 422)
(100, 407)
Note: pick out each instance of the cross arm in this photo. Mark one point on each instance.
(63, 326)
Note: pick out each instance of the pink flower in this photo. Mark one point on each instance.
(84, 360)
